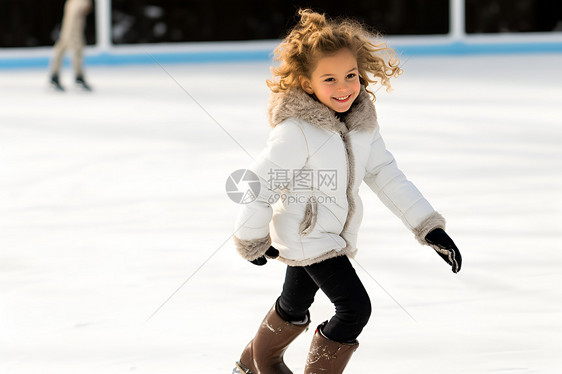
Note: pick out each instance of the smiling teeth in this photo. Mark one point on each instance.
(342, 98)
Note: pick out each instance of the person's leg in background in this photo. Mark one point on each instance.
(78, 63)
(58, 55)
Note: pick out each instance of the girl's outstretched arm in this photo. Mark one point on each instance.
(407, 203)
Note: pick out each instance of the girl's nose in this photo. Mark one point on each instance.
(342, 86)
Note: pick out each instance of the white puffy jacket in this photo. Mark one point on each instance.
(308, 206)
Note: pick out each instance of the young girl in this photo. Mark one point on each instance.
(325, 141)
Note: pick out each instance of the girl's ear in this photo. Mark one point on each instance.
(306, 85)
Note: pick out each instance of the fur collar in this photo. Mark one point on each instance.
(298, 104)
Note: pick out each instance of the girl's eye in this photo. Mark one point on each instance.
(329, 80)
(351, 75)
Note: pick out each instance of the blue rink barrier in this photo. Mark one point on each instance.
(150, 56)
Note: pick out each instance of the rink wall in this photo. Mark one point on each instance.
(262, 50)
(457, 42)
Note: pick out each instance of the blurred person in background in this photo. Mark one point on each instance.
(71, 37)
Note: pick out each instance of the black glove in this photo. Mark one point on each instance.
(270, 253)
(445, 247)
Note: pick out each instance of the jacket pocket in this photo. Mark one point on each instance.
(310, 216)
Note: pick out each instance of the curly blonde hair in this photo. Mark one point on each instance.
(315, 36)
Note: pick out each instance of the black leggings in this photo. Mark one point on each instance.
(338, 280)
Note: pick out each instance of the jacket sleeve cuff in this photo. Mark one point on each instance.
(432, 222)
(252, 249)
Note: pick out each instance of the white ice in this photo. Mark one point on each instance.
(110, 201)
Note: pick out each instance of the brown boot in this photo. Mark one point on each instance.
(327, 356)
(264, 354)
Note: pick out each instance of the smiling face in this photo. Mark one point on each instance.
(334, 81)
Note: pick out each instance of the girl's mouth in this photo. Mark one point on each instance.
(342, 99)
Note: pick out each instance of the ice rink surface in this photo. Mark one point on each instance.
(113, 207)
